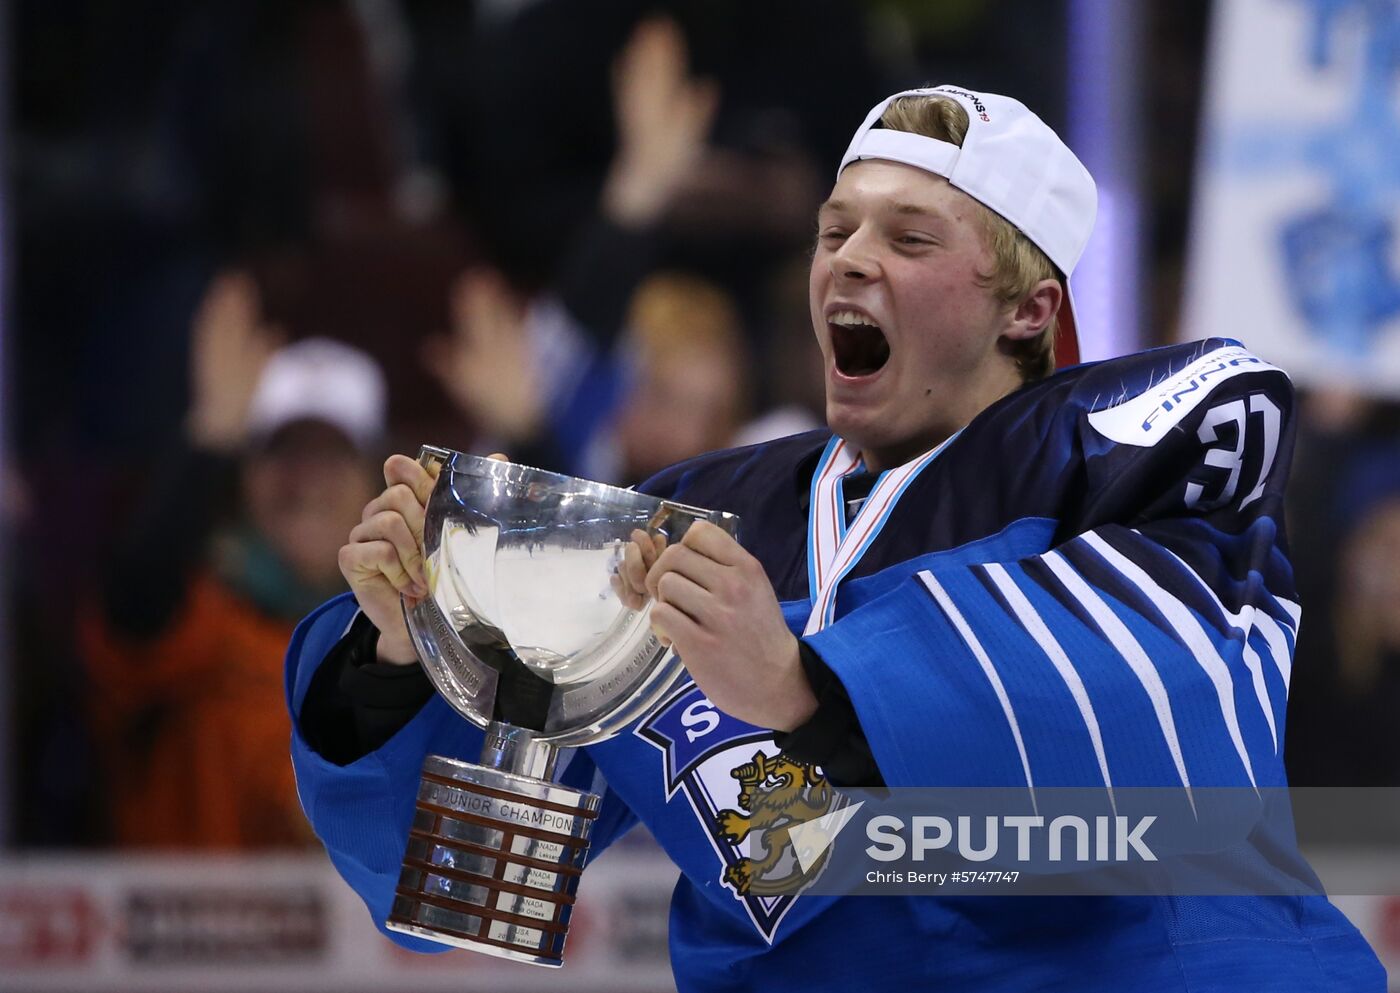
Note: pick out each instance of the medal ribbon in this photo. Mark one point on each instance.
(832, 548)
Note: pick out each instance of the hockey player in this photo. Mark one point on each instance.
(983, 575)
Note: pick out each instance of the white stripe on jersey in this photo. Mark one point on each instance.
(1033, 623)
(951, 610)
(1132, 652)
(1246, 620)
(1189, 630)
(1278, 645)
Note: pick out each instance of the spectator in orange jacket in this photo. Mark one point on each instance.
(185, 648)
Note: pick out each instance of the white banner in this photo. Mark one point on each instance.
(121, 924)
(1295, 246)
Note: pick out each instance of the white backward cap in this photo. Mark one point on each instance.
(323, 380)
(1010, 161)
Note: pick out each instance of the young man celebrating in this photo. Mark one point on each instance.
(981, 576)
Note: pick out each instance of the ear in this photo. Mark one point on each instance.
(1036, 311)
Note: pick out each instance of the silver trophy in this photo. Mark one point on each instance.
(523, 633)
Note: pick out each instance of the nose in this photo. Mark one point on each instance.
(854, 260)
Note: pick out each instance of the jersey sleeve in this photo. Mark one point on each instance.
(1151, 645)
(362, 811)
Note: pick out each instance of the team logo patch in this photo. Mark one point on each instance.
(746, 795)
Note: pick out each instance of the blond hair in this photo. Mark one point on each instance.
(1017, 263)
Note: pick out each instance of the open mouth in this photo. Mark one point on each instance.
(858, 345)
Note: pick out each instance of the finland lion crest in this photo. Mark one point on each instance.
(746, 795)
(776, 793)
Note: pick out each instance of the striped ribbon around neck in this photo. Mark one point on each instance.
(833, 548)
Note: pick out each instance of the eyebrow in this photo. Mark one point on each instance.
(915, 208)
(899, 207)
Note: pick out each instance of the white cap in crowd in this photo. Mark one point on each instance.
(322, 380)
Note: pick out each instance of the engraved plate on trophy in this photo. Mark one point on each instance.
(523, 634)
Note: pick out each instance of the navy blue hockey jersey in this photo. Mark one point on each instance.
(1088, 586)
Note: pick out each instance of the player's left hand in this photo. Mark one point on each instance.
(716, 607)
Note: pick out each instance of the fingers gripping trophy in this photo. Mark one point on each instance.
(525, 632)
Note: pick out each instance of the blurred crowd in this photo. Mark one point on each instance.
(260, 245)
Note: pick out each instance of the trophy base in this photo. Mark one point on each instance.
(493, 861)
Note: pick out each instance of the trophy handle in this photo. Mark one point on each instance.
(673, 519)
(432, 455)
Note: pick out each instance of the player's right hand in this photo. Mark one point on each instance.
(384, 556)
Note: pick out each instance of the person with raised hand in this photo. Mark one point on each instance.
(235, 540)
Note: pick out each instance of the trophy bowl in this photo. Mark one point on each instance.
(524, 634)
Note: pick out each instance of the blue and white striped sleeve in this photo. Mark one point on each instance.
(1127, 657)
(1151, 652)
